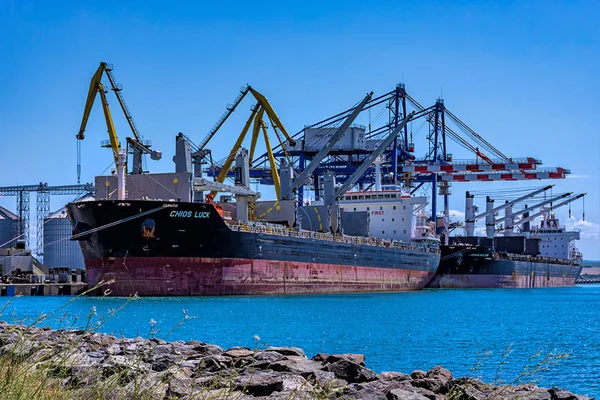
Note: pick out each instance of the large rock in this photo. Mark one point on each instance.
(260, 383)
(208, 349)
(355, 358)
(296, 365)
(439, 373)
(326, 380)
(288, 351)
(430, 384)
(238, 352)
(364, 394)
(351, 372)
(209, 364)
(268, 356)
(295, 383)
(418, 374)
(393, 376)
(559, 394)
(383, 387)
(401, 394)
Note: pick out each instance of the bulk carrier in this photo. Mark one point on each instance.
(542, 256)
(160, 235)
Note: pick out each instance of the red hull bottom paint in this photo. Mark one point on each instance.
(450, 281)
(178, 276)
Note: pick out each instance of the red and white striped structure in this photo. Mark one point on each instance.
(556, 173)
(472, 166)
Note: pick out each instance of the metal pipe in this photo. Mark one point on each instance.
(489, 219)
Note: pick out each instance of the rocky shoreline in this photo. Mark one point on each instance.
(83, 365)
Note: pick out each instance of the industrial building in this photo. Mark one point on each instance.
(59, 252)
(9, 225)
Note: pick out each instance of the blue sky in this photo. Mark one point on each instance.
(522, 74)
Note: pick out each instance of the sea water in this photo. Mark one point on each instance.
(494, 334)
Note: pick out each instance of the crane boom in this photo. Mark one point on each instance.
(117, 89)
(299, 181)
(231, 157)
(136, 144)
(510, 203)
(370, 159)
(230, 109)
(538, 205)
(95, 85)
(112, 134)
(272, 162)
(275, 121)
(534, 216)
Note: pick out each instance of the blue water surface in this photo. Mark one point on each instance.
(492, 334)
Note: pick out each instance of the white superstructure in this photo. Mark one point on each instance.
(555, 240)
(393, 214)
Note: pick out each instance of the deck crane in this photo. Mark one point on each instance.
(138, 147)
(256, 120)
(470, 209)
(561, 204)
(511, 216)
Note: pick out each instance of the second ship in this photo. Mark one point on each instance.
(532, 257)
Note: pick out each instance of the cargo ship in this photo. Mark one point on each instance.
(160, 235)
(545, 256)
(158, 248)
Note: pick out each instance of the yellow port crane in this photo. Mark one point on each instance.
(255, 120)
(136, 144)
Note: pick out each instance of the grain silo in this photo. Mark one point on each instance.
(59, 251)
(9, 227)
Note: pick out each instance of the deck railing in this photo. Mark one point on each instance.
(522, 257)
(272, 229)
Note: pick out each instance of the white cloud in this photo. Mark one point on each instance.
(589, 230)
(457, 214)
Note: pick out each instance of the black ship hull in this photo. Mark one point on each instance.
(471, 266)
(156, 248)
